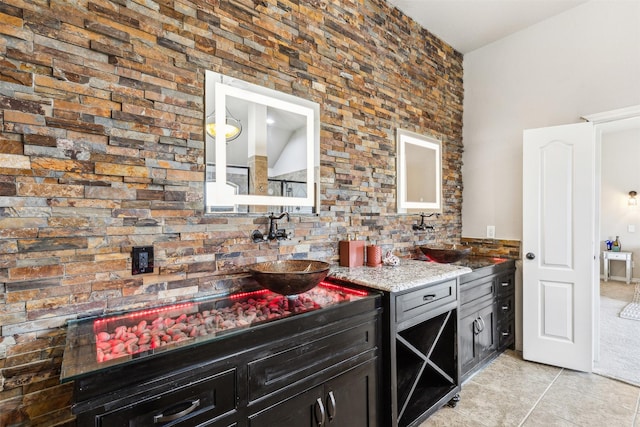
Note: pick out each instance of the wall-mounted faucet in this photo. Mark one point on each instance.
(422, 226)
(274, 233)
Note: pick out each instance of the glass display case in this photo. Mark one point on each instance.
(103, 342)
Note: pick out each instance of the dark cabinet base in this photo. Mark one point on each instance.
(486, 315)
(343, 401)
(320, 369)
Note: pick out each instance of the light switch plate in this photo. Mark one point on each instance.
(631, 228)
(142, 260)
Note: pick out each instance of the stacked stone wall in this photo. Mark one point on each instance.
(101, 149)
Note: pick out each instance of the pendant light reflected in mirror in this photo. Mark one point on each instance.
(231, 128)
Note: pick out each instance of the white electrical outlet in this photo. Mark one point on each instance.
(491, 231)
(631, 228)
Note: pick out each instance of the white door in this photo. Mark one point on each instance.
(558, 245)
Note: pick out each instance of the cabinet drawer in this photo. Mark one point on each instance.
(505, 284)
(506, 336)
(306, 359)
(617, 256)
(506, 306)
(415, 303)
(476, 290)
(203, 399)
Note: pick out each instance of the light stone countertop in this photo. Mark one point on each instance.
(409, 274)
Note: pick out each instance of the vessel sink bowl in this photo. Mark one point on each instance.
(289, 277)
(445, 253)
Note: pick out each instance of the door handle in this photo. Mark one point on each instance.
(319, 412)
(482, 323)
(331, 406)
(530, 255)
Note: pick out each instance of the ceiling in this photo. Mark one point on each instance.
(470, 24)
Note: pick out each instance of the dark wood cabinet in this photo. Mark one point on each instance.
(506, 309)
(343, 401)
(477, 335)
(487, 317)
(318, 369)
(420, 367)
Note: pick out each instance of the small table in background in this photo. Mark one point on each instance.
(617, 256)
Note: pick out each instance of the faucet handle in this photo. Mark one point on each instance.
(258, 237)
(283, 235)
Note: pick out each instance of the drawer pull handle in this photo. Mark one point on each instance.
(482, 322)
(331, 406)
(505, 284)
(319, 412)
(505, 307)
(478, 325)
(166, 418)
(506, 334)
(428, 297)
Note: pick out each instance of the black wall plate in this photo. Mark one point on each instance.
(142, 260)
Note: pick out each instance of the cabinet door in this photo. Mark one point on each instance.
(351, 398)
(467, 341)
(477, 338)
(348, 400)
(306, 409)
(486, 337)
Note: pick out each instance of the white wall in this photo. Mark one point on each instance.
(584, 61)
(620, 174)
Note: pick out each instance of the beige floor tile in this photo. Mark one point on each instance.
(539, 418)
(610, 392)
(583, 408)
(510, 372)
(446, 417)
(516, 393)
(494, 407)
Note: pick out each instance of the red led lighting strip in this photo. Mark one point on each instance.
(344, 289)
(143, 313)
(249, 294)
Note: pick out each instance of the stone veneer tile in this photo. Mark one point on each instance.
(102, 149)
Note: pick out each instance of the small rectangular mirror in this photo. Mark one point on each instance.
(419, 173)
(262, 148)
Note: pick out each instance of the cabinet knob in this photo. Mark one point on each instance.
(530, 255)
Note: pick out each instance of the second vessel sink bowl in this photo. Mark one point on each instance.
(289, 277)
(445, 253)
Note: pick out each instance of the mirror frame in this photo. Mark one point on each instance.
(404, 137)
(228, 86)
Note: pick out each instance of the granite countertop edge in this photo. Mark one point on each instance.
(408, 275)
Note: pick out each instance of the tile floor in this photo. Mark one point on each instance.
(513, 392)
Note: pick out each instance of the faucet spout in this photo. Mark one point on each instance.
(422, 226)
(283, 214)
(274, 233)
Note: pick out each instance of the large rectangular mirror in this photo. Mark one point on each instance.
(419, 173)
(262, 148)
